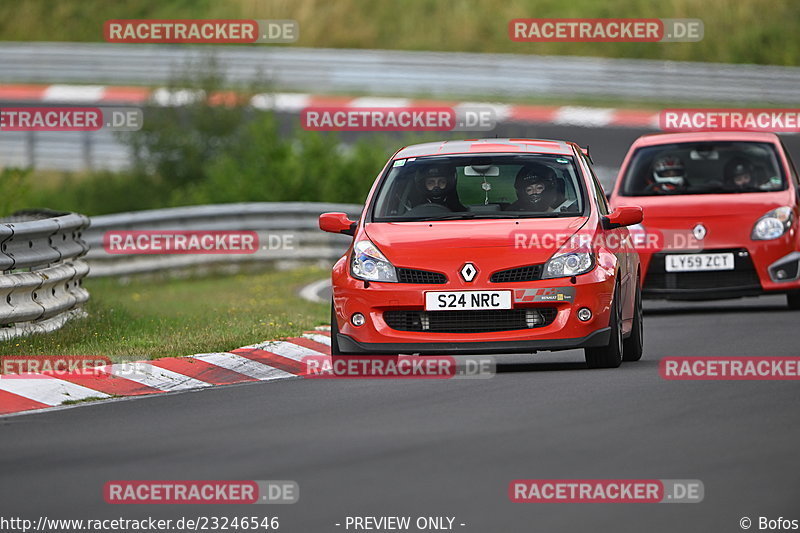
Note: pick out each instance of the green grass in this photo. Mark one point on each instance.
(147, 318)
(736, 31)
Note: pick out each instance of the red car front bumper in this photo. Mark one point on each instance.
(561, 332)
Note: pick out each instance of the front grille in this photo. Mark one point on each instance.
(470, 321)
(742, 276)
(409, 275)
(526, 273)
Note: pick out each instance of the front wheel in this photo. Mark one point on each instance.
(609, 356)
(633, 346)
(334, 334)
(793, 299)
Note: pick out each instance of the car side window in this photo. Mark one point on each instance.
(792, 167)
(599, 194)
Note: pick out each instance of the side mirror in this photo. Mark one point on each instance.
(337, 223)
(623, 216)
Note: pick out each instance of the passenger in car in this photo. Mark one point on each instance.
(740, 175)
(537, 189)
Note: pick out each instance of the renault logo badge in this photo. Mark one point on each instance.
(699, 232)
(468, 272)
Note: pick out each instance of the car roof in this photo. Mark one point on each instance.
(467, 146)
(653, 139)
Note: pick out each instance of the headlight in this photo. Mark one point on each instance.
(569, 263)
(773, 224)
(370, 264)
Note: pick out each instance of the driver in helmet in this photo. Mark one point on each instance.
(669, 176)
(536, 188)
(740, 174)
(437, 185)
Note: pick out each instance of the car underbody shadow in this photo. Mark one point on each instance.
(550, 366)
(687, 308)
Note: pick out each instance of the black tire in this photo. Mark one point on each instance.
(633, 346)
(793, 300)
(609, 356)
(334, 332)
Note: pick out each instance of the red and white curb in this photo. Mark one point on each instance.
(590, 117)
(267, 361)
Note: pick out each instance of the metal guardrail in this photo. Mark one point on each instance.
(271, 221)
(385, 72)
(40, 286)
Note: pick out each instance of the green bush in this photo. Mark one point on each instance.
(15, 185)
(251, 162)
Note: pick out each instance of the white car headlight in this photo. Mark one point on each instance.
(773, 224)
(569, 263)
(370, 264)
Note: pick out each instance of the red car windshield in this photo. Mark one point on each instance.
(486, 186)
(703, 168)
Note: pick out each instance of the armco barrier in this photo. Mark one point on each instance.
(42, 269)
(288, 232)
(402, 73)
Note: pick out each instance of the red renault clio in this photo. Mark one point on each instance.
(723, 207)
(488, 246)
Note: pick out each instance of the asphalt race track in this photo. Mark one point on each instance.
(449, 447)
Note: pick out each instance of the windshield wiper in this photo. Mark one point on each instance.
(469, 216)
(453, 216)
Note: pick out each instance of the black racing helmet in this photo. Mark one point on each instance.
(737, 169)
(436, 181)
(537, 174)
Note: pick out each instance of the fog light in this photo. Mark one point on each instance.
(533, 318)
(584, 314)
(358, 319)
(780, 274)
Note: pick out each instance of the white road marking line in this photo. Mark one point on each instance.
(590, 117)
(311, 291)
(153, 376)
(316, 337)
(243, 365)
(178, 97)
(73, 93)
(285, 349)
(501, 111)
(49, 391)
(377, 101)
(287, 102)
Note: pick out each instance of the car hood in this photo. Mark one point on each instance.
(706, 206)
(505, 241)
(728, 219)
